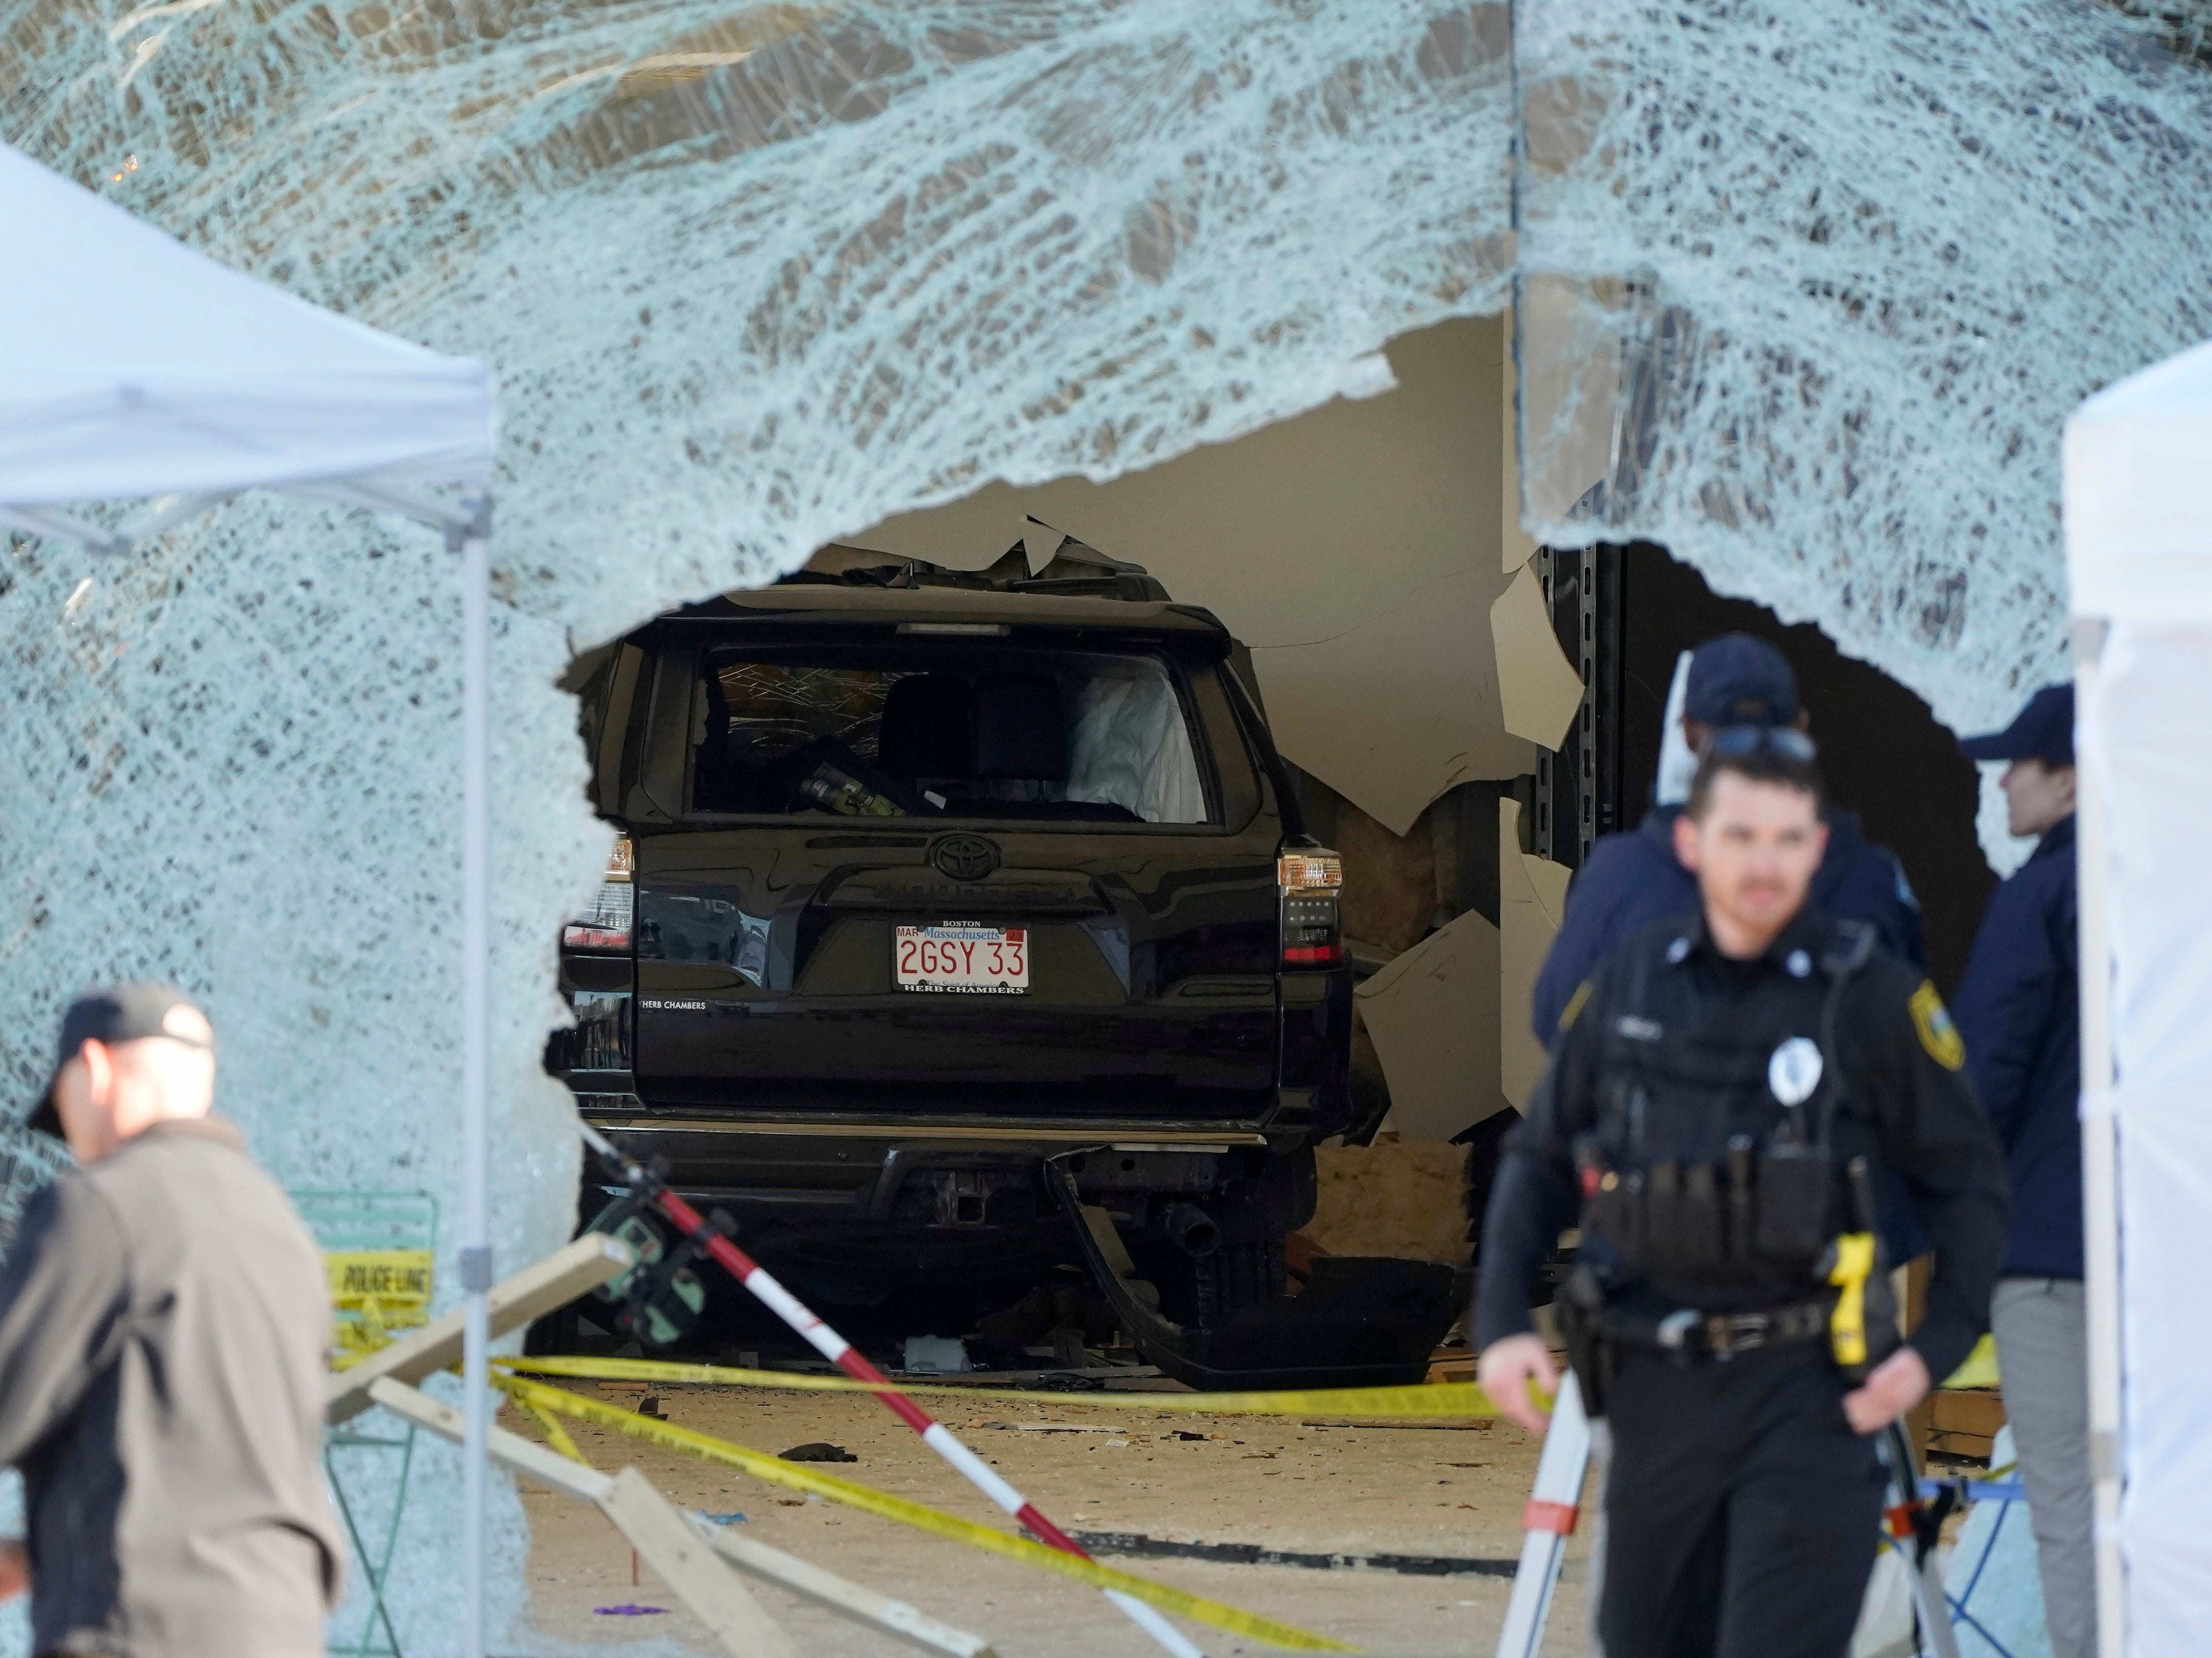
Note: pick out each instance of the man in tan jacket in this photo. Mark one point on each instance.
(162, 1320)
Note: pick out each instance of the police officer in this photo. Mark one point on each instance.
(1633, 879)
(2018, 1012)
(1728, 1085)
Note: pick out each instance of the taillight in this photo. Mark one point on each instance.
(607, 927)
(1313, 868)
(1308, 881)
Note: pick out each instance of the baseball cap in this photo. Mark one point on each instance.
(112, 1014)
(2043, 730)
(1737, 680)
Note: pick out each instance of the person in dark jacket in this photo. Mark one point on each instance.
(1724, 1088)
(1633, 879)
(2018, 1010)
(163, 1316)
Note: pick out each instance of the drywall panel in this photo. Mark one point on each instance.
(1433, 1015)
(1532, 899)
(1355, 549)
(1393, 711)
(1538, 688)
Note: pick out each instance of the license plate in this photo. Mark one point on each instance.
(963, 957)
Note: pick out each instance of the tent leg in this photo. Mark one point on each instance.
(473, 543)
(2099, 1141)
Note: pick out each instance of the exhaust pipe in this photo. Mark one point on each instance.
(1192, 1230)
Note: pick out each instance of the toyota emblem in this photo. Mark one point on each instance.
(965, 857)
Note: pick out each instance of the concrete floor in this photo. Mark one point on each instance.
(1282, 1482)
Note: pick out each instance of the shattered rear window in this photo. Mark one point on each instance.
(777, 707)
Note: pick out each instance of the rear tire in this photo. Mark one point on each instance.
(1239, 1275)
(1207, 1292)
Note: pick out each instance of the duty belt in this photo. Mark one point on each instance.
(1690, 1333)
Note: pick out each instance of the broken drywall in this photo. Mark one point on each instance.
(750, 281)
(1433, 1015)
(1540, 688)
(1855, 275)
(1865, 268)
(1352, 548)
(1532, 901)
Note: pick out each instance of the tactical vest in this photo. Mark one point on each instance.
(1715, 1159)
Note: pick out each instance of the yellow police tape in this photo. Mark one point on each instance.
(868, 1500)
(1438, 1399)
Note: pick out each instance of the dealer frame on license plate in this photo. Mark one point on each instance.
(962, 958)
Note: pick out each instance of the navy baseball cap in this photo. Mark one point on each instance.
(2044, 731)
(1737, 680)
(110, 1015)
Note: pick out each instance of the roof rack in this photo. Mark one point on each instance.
(1074, 571)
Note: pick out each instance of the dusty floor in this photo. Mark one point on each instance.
(1282, 1482)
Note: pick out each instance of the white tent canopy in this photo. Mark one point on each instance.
(2139, 555)
(131, 366)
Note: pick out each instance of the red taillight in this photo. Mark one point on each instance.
(1307, 881)
(607, 927)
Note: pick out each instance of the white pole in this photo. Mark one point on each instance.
(473, 544)
(1554, 1506)
(2100, 1208)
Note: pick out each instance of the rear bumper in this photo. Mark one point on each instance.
(860, 1171)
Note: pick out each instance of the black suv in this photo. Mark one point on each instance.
(962, 923)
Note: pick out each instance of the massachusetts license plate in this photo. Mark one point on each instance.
(963, 956)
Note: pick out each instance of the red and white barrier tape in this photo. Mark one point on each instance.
(843, 1354)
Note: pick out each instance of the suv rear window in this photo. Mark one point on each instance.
(946, 731)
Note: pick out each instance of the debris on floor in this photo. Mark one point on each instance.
(819, 1450)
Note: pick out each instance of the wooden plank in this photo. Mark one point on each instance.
(1958, 1444)
(686, 1563)
(535, 1461)
(1108, 1239)
(1970, 1410)
(689, 1566)
(524, 1456)
(567, 1272)
(847, 1600)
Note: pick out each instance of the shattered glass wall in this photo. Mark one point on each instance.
(2185, 24)
(1808, 293)
(1843, 270)
(753, 277)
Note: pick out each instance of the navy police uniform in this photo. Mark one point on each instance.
(2020, 1010)
(1716, 1126)
(1633, 879)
